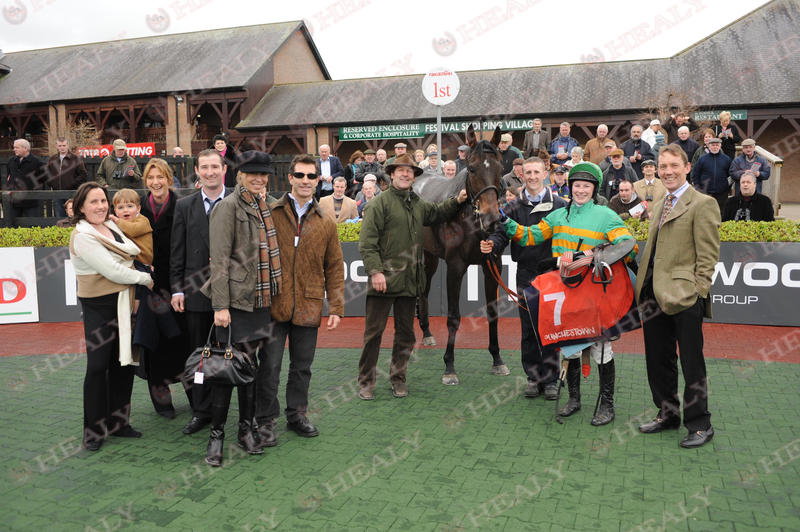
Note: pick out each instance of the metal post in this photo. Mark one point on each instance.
(439, 132)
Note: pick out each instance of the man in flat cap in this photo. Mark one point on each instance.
(400, 148)
(371, 166)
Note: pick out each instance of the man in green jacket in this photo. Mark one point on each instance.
(119, 170)
(391, 246)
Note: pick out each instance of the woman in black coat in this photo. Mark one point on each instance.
(164, 361)
(228, 154)
(729, 133)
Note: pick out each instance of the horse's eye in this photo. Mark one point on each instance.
(471, 169)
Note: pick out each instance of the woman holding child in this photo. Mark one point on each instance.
(102, 257)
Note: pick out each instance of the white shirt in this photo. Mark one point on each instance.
(206, 199)
(534, 199)
(300, 210)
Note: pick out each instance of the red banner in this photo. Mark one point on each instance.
(142, 149)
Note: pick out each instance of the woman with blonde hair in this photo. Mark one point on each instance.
(729, 133)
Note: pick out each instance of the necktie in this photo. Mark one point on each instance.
(211, 204)
(667, 208)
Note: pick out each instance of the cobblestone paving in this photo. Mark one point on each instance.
(478, 455)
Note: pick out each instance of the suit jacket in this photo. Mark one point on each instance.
(190, 257)
(336, 170)
(659, 192)
(544, 143)
(687, 252)
(349, 209)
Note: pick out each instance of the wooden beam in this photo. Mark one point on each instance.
(588, 133)
(794, 124)
(272, 144)
(300, 147)
(763, 127)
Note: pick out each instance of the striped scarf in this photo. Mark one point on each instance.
(269, 260)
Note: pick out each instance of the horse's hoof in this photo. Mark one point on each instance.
(501, 369)
(428, 340)
(449, 379)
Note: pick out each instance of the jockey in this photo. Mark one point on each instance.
(580, 227)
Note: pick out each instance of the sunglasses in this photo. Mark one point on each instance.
(301, 175)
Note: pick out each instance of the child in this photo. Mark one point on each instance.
(127, 207)
(135, 226)
(66, 222)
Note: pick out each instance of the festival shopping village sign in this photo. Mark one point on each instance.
(412, 131)
(142, 149)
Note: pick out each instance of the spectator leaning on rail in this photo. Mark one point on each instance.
(103, 261)
(24, 173)
(535, 201)
(391, 246)
(747, 204)
(710, 175)
(748, 160)
(65, 171)
(118, 169)
(581, 226)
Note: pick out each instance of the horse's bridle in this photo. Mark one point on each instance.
(473, 198)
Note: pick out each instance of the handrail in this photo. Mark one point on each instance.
(772, 186)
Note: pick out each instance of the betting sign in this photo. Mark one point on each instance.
(440, 87)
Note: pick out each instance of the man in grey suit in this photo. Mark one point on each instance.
(536, 140)
(190, 268)
(672, 290)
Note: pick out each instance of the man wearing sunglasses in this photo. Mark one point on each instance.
(311, 266)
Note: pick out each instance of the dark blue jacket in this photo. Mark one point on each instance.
(567, 142)
(741, 164)
(527, 257)
(629, 148)
(710, 175)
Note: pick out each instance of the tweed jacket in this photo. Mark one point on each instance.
(311, 269)
(687, 251)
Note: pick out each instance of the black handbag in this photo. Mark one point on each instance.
(219, 365)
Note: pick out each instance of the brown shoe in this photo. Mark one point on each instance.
(366, 394)
(399, 389)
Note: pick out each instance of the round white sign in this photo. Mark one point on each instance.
(440, 87)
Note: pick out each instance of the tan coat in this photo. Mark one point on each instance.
(658, 191)
(686, 254)
(309, 270)
(138, 229)
(594, 151)
(349, 209)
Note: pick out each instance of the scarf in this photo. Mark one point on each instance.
(269, 260)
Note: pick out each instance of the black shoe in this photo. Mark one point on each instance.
(605, 412)
(574, 386)
(303, 427)
(266, 434)
(659, 424)
(697, 438)
(551, 391)
(195, 424)
(169, 414)
(247, 439)
(572, 406)
(604, 416)
(93, 445)
(127, 432)
(532, 391)
(214, 449)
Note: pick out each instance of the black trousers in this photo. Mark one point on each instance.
(302, 345)
(722, 198)
(197, 326)
(540, 363)
(662, 334)
(107, 386)
(377, 313)
(221, 394)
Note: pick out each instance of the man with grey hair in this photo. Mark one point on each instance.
(449, 168)
(329, 167)
(687, 144)
(463, 154)
(536, 140)
(747, 204)
(636, 150)
(562, 145)
(25, 172)
(594, 150)
(380, 156)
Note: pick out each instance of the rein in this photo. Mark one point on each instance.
(495, 273)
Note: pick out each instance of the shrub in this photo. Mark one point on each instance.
(37, 237)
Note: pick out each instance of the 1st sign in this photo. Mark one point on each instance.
(440, 87)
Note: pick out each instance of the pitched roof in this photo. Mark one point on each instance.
(203, 60)
(752, 61)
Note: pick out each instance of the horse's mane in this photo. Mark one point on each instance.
(439, 188)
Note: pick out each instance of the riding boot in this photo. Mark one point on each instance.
(247, 437)
(214, 449)
(574, 385)
(605, 412)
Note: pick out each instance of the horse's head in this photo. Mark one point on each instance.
(483, 178)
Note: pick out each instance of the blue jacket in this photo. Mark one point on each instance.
(710, 175)
(740, 164)
(567, 142)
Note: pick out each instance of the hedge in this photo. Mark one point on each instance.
(780, 231)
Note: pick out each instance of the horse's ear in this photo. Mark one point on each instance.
(496, 136)
(471, 139)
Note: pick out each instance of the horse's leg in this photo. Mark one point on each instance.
(490, 294)
(431, 264)
(455, 274)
